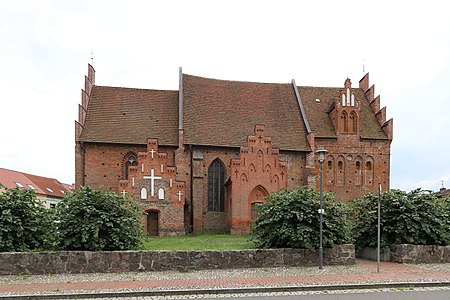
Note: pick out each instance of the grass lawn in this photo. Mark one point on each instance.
(198, 242)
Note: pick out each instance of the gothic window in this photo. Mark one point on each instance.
(344, 123)
(216, 189)
(340, 174)
(368, 172)
(131, 161)
(352, 122)
(329, 172)
(358, 171)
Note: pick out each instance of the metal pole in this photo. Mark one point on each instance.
(321, 219)
(379, 227)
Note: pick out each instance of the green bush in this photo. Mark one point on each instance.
(290, 219)
(417, 217)
(24, 223)
(94, 220)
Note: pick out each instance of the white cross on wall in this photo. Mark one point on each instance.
(179, 195)
(124, 193)
(152, 151)
(152, 178)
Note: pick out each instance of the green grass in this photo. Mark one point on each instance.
(198, 242)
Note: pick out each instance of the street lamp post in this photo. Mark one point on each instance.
(321, 152)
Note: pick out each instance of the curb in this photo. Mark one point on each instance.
(224, 291)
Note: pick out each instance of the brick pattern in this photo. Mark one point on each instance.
(218, 117)
(256, 173)
(153, 186)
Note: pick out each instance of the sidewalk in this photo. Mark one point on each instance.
(361, 275)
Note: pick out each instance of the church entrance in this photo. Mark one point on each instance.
(152, 223)
(256, 198)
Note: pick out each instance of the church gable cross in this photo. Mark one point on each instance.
(152, 178)
(179, 196)
(152, 152)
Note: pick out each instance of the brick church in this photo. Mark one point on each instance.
(202, 157)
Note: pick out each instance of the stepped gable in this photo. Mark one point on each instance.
(157, 177)
(221, 113)
(320, 101)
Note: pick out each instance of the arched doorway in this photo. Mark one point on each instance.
(256, 198)
(152, 223)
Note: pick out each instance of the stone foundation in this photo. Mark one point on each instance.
(65, 262)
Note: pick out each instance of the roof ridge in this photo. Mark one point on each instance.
(237, 81)
(131, 88)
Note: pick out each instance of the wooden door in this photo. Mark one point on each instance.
(152, 223)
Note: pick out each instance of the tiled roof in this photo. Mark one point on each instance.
(8, 179)
(50, 186)
(320, 121)
(130, 116)
(42, 185)
(224, 113)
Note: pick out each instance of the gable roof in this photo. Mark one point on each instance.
(10, 178)
(130, 116)
(218, 113)
(320, 120)
(41, 185)
(224, 113)
(50, 186)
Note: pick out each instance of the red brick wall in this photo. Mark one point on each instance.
(347, 181)
(104, 163)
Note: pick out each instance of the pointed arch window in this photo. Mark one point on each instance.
(131, 161)
(216, 188)
(352, 123)
(344, 123)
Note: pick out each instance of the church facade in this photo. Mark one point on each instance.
(201, 158)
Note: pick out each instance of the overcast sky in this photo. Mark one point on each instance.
(45, 47)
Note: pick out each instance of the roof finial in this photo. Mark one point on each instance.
(364, 65)
(442, 183)
(92, 57)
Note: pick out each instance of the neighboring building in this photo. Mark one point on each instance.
(443, 192)
(49, 191)
(201, 158)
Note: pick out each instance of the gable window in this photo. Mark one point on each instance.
(216, 189)
(131, 161)
(353, 125)
(344, 123)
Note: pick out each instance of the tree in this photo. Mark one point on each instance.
(25, 224)
(290, 219)
(94, 220)
(417, 217)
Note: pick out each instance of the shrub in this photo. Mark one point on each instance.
(24, 223)
(94, 220)
(417, 217)
(290, 219)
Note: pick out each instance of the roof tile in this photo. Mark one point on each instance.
(224, 113)
(130, 116)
